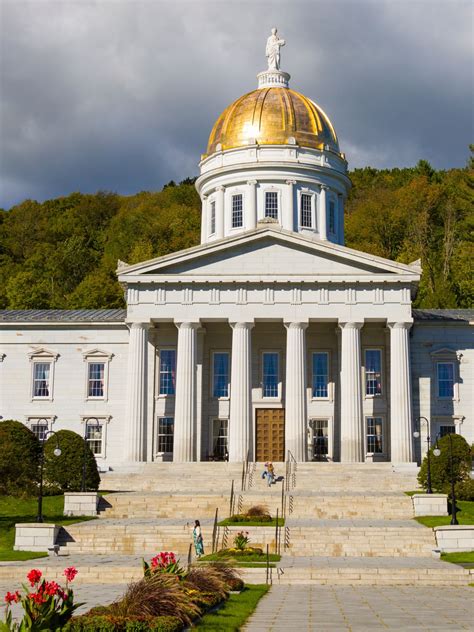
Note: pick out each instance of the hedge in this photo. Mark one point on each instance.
(64, 473)
(19, 459)
(110, 623)
(440, 465)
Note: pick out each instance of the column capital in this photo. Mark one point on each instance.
(220, 188)
(324, 187)
(290, 182)
(140, 325)
(187, 324)
(400, 325)
(252, 182)
(296, 324)
(350, 325)
(242, 325)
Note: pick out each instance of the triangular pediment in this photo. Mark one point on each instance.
(268, 252)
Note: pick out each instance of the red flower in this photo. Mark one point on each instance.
(70, 573)
(52, 588)
(37, 598)
(34, 576)
(12, 597)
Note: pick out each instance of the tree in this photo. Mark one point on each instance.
(441, 465)
(64, 473)
(19, 459)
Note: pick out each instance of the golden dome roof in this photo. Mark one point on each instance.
(272, 116)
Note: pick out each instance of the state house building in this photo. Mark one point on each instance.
(269, 336)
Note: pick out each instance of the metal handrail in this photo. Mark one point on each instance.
(214, 532)
(291, 467)
(231, 503)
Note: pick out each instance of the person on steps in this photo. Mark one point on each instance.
(197, 537)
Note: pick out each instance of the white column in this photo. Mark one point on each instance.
(401, 437)
(220, 212)
(240, 421)
(251, 212)
(323, 213)
(288, 206)
(340, 215)
(185, 407)
(204, 219)
(352, 436)
(136, 405)
(295, 399)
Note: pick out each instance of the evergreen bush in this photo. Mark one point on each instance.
(441, 467)
(64, 473)
(19, 459)
(465, 490)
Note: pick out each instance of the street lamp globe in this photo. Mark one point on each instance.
(57, 452)
(436, 451)
(416, 434)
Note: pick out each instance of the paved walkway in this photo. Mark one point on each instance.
(307, 608)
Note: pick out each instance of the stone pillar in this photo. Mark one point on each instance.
(185, 407)
(295, 397)
(136, 404)
(340, 216)
(288, 207)
(401, 437)
(220, 212)
(240, 421)
(204, 219)
(323, 213)
(352, 435)
(250, 222)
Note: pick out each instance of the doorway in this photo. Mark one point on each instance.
(270, 434)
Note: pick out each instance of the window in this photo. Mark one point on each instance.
(167, 371)
(165, 434)
(320, 439)
(445, 379)
(220, 430)
(270, 375)
(95, 379)
(94, 437)
(213, 217)
(220, 367)
(374, 435)
(41, 379)
(306, 219)
(332, 217)
(445, 430)
(320, 375)
(39, 430)
(373, 372)
(237, 216)
(271, 204)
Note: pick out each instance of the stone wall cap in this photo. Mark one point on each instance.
(35, 525)
(455, 527)
(424, 495)
(81, 493)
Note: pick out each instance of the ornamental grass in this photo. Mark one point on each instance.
(207, 580)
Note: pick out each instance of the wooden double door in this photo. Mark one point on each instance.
(270, 434)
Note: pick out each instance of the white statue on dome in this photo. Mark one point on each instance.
(272, 50)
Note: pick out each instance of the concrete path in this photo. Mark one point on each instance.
(357, 609)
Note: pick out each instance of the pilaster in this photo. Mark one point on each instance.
(287, 219)
(251, 214)
(220, 192)
(323, 213)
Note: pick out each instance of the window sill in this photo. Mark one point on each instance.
(165, 396)
(220, 399)
(41, 399)
(321, 399)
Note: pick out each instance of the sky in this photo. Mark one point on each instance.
(121, 95)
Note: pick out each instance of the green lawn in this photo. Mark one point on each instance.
(247, 561)
(466, 558)
(13, 510)
(465, 515)
(252, 523)
(235, 611)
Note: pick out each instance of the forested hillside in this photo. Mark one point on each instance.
(63, 253)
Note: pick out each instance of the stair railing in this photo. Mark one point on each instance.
(291, 467)
(232, 498)
(214, 532)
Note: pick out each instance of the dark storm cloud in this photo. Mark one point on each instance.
(122, 95)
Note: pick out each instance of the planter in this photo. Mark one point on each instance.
(81, 503)
(430, 504)
(35, 536)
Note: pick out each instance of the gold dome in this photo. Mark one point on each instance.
(272, 116)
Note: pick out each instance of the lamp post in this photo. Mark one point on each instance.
(84, 461)
(437, 452)
(416, 434)
(56, 452)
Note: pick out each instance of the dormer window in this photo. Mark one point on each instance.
(271, 204)
(237, 211)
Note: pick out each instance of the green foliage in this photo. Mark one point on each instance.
(64, 473)
(464, 490)
(76, 241)
(111, 623)
(441, 465)
(19, 459)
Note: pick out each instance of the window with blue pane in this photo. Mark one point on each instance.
(446, 379)
(270, 375)
(373, 372)
(320, 375)
(221, 374)
(167, 371)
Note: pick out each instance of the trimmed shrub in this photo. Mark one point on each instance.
(64, 473)
(440, 465)
(19, 459)
(465, 490)
(109, 623)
